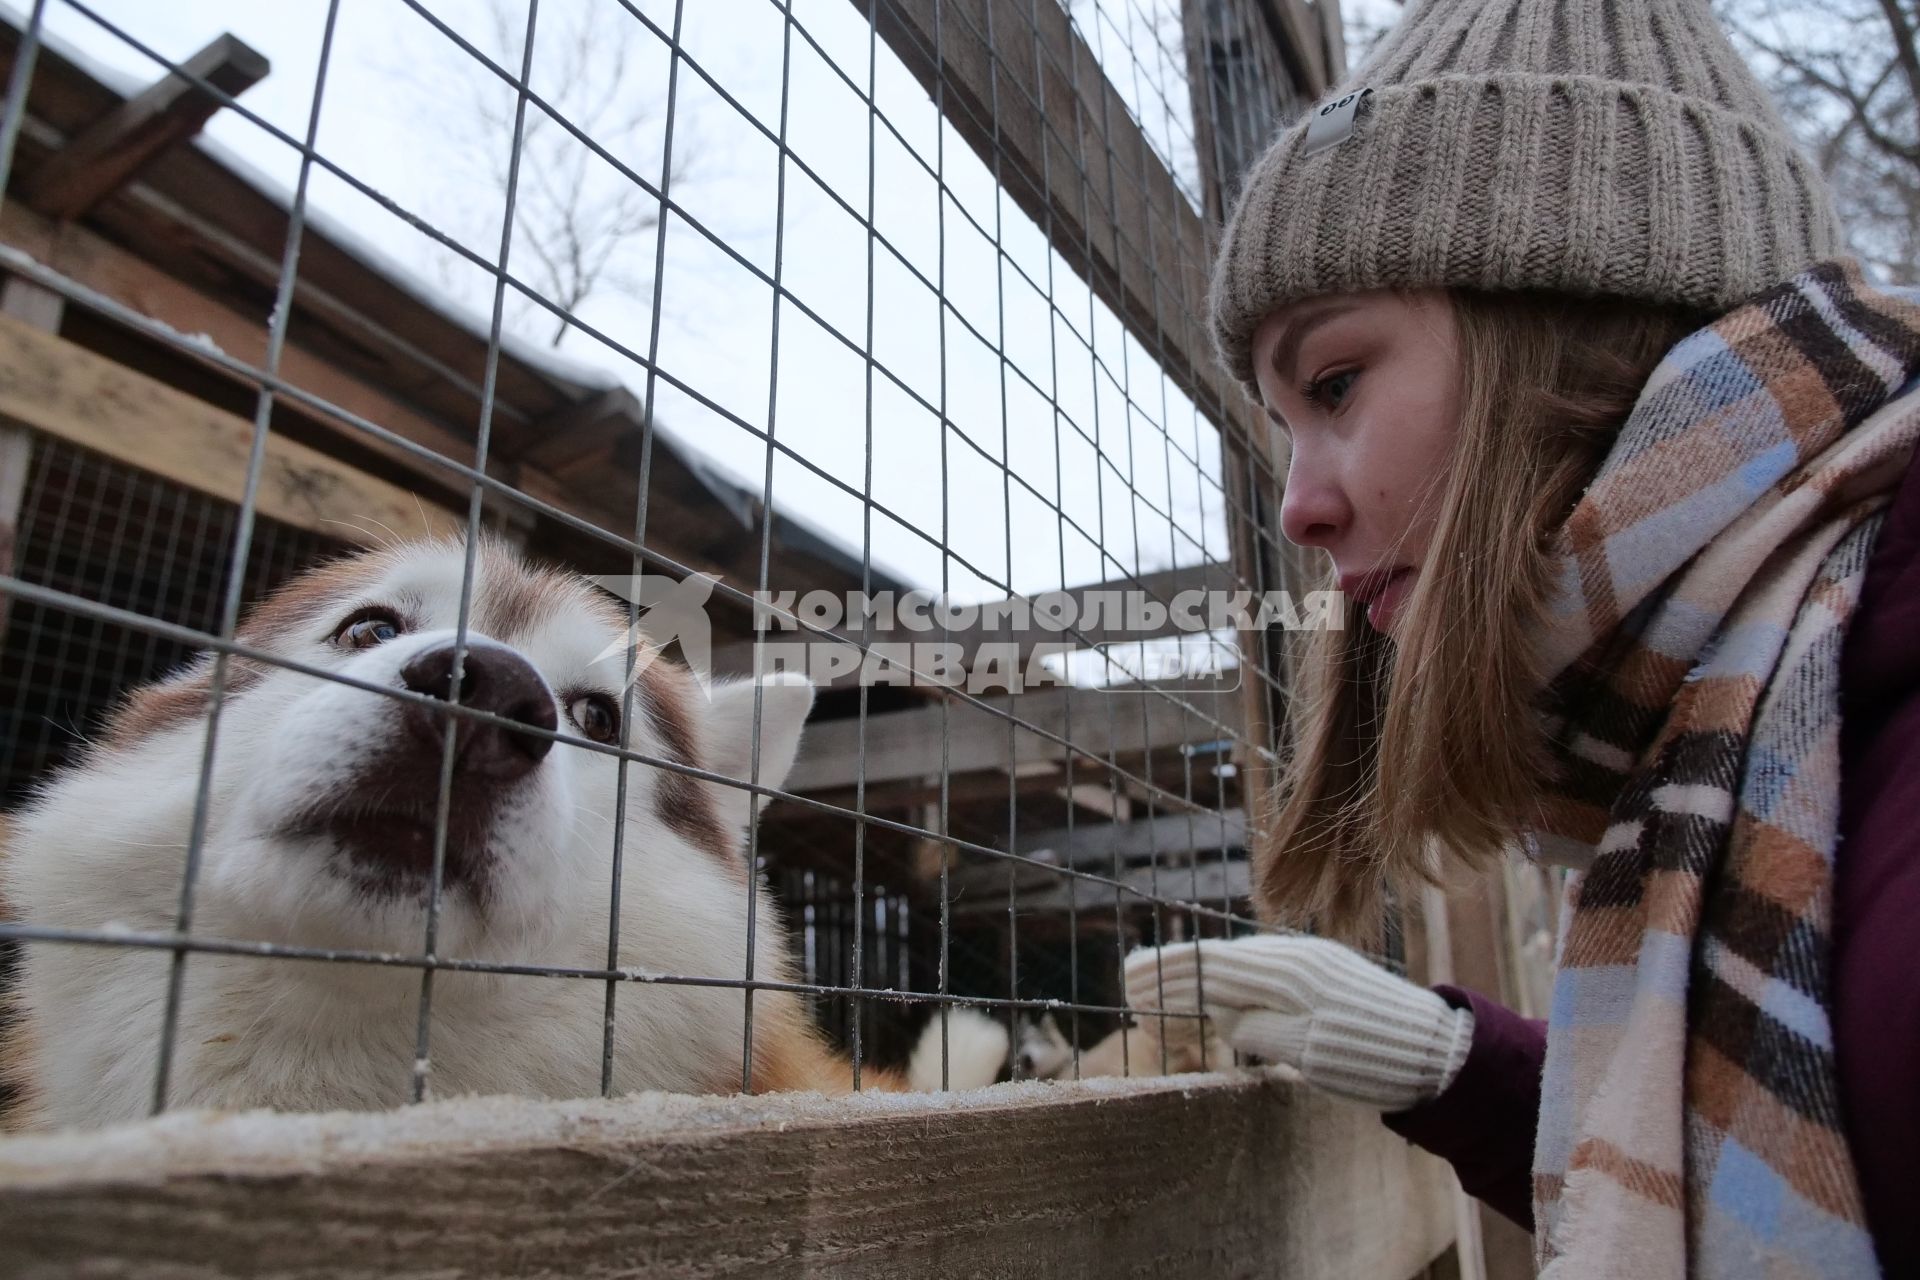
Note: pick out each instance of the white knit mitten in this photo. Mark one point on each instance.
(1347, 1025)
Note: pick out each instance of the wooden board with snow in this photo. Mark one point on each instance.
(1203, 1175)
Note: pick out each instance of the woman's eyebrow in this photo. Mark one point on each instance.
(1294, 332)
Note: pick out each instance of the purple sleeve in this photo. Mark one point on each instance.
(1483, 1125)
(1876, 995)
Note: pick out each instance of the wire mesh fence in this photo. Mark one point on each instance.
(883, 320)
(93, 527)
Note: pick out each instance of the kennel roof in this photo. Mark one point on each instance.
(563, 431)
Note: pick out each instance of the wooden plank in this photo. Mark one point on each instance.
(1099, 799)
(1302, 42)
(16, 455)
(981, 888)
(106, 269)
(1124, 227)
(1248, 461)
(908, 744)
(51, 385)
(220, 239)
(1094, 845)
(218, 232)
(113, 149)
(587, 429)
(16, 458)
(1476, 909)
(1532, 895)
(1263, 720)
(1203, 1175)
(32, 304)
(1477, 938)
(42, 309)
(92, 261)
(1333, 31)
(1031, 778)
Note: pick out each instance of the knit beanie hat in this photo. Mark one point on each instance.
(1594, 147)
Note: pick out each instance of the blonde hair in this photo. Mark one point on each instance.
(1413, 754)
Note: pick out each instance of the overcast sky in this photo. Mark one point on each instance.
(412, 115)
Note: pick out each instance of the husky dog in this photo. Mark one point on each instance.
(319, 833)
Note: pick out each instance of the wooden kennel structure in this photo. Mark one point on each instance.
(119, 235)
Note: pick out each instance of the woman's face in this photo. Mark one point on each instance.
(1366, 387)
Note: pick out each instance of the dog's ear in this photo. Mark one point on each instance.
(785, 699)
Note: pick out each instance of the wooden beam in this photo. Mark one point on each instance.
(1032, 777)
(214, 231)
(1334, 32)
(1099, 799)
(591, 426)
(1260, 715)
(16, 461)
(1124, 226)
(1303, 43)
(41, 309)
(1093, 845)
(980, 888)
(108, 153)
(16, 455)
(32, 304)
(1533, 895)
(105, 268)
(908, 744)
(1241, 1174)
(53, 386)
(1479, 935)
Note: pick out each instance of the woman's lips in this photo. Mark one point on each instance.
(1380, 591)
(1386, 600)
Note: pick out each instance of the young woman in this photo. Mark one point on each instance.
(1610, 453)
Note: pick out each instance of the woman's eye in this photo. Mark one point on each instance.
(596, 715)
(1330, 391)
(367, 628)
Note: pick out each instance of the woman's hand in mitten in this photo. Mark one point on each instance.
(1346, 1024)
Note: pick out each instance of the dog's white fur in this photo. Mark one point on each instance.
(1189, 1045)
(103, 846)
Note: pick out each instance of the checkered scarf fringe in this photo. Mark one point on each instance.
(1690, 1118)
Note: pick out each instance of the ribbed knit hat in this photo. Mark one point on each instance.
(1597, 147)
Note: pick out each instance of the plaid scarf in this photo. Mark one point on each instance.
(1690, 1119)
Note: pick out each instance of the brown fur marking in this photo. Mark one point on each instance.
(297, 604)
(791, 1055)
(514, 596)
(183, 696)
(177, 700)
(682, 802)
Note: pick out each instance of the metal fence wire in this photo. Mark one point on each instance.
(849, 299)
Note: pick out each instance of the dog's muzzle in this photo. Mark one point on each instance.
(384, 821)
(493, 679)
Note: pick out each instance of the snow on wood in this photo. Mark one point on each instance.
(1203, 1175)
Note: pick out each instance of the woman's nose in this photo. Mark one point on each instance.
(1314, 509)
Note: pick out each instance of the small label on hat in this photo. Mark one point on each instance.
(1333, 123)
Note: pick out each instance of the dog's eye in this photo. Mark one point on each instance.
(367, 628)
(596, 715)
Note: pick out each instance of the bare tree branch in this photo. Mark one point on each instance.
(1846, 74)
(1903, 46)
(578, 217)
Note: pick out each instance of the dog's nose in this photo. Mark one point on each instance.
(494, 679)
